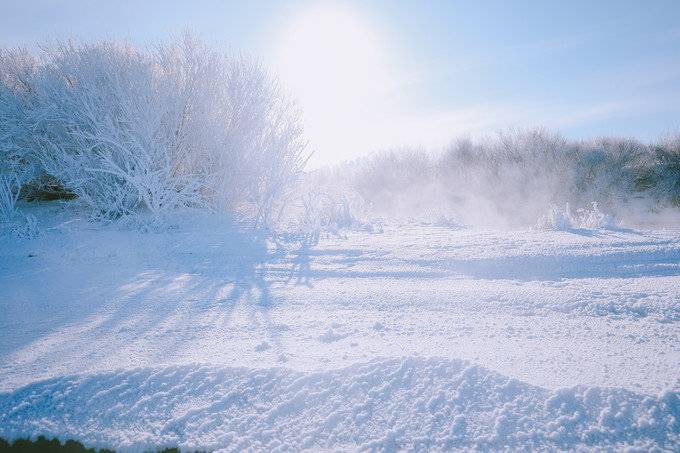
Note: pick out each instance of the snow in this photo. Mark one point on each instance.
(420, 337)
(409, 403)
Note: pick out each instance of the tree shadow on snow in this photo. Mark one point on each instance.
(658, 259)
(190, 295)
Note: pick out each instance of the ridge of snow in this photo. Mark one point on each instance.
(381, 405)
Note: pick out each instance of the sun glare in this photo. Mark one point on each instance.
(335, 65)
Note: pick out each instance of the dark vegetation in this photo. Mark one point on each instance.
(44, 445)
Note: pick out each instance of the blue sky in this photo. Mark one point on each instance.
(376, 74)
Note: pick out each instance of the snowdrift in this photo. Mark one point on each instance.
(411, 403)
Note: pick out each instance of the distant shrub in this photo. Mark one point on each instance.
(516, 177)
(663, 179)
(383, 179)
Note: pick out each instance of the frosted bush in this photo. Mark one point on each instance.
(130, 130)
(17, 72)
(17, 165)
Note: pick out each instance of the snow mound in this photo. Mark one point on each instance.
(385, 404)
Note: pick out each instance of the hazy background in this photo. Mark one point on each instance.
(374, 74)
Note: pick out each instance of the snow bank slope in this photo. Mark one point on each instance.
(385, 404)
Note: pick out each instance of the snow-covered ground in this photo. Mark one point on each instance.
(413, 337)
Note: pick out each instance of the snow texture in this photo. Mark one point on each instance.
(412, 403)
(421, 337)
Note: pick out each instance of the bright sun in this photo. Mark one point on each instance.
(334, 64)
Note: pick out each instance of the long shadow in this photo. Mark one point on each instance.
(239, 271)
(163, 301)
(623, 263)
(252, 289)
(33, 308)
(301, 266)
(232, 277)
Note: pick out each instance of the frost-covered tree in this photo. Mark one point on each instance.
(128, 130)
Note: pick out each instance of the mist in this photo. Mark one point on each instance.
(516, 178)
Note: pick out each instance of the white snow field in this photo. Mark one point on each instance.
(415, 337)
